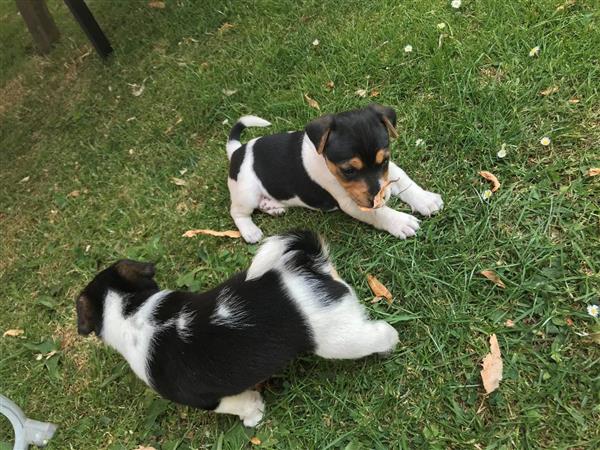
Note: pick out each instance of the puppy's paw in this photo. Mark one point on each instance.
(389, 338)
(403, 225)
(271, 207)
(254, 409)
(251, 233)
(424, 202)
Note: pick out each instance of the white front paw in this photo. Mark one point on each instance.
(403, 225)
(424, 202)
(251, 233)
(255, 410)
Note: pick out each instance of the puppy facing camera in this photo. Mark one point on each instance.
(208, 350)
(338, 161)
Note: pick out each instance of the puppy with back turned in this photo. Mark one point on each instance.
(338, 161)
(207, 350)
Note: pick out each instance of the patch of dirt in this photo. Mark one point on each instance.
(11, 94)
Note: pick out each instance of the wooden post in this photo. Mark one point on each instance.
(40, 23)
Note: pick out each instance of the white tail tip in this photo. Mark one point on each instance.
(253, 121)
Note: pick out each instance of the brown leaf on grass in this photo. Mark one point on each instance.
(13, 333)
(569, 322)
(573, 101)
(330, 85)
(143, 447)
(491, 374)
(549, 91)
(509, 323)
(492, 178)
(255, 441)
(225, 27)
(229, 233)
(312, 103)
(156, 5)
(378, 289)
(374, 93)
(594, 171)
(178, 181)
(492, 276)
(379, 200)
(73, 194)
(565, 5)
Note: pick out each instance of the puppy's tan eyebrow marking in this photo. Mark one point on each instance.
(355, 163)
(381, 155)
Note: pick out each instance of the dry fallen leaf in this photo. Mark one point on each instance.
(229, 92)
(312, 103)
(361, 92)
(255, 441)
(594, 171)
(569, 322)
(225, 27)
(565, 5)
(73, 194)
(136, 89)
(24, 180)
(374, 93)
(491, 177)
(378, 289)
(573, 101)
(509, 323)
(491, 374)
(379, 200)
(143, 447)
(330, 85)
(228, 233)
(549, 91)
(156, 5)
(13, 333)
(492, 276)
(178, 181)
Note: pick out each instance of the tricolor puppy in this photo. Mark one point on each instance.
(338, 161)
(208, 350)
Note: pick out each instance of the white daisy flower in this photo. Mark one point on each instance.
(315, 42)
(545, 141)
(408, 48)
(456, 4)
(593, 310)
(487, 194)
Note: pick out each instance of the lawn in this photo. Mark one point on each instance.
(86, 177)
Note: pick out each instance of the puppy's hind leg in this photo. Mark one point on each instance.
(351, 335)
(243, 203)
(248, 406)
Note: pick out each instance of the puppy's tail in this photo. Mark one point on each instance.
(301, 250)
(236, 131)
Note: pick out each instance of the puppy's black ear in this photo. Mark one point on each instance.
(318, 131)
(133, 270)
(387, 116)
(86, 322)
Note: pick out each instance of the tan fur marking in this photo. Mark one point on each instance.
(356, 163)
(358, 190)
(381, 155)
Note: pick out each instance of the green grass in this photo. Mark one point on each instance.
(70, 123)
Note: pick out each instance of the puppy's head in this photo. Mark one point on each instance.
(356, 148)
(125, 276)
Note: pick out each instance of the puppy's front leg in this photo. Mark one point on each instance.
(397, 223)
(420, 200)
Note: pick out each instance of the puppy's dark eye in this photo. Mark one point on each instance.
(348, 171)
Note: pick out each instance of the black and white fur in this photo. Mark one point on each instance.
(208, 350)
(302, 168)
